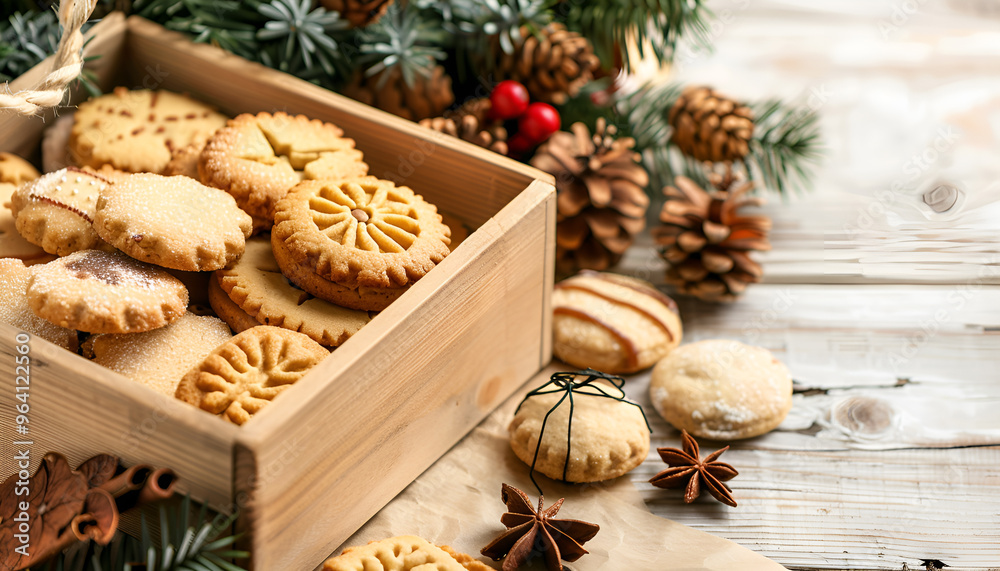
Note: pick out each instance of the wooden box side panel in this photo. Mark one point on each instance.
(474, 183)
(21, 134)
(310, 477)
(80, 409)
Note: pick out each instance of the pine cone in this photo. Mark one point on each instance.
(359, 13)
(710, 127)
(706, 241)
(471, 122)
(553, 68)
(428, 97)
(601, 202)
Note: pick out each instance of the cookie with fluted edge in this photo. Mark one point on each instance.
(172, 221)
(12, 244)
(243, 375)
(105, 292)
(56, 212)
(255, 283)
(258, 158)
(361, 298)
(227, 310)
(609, 437)
(612, 323)
(16, 311)
(403, 553)
(161, 357)
(722, 389)
(361, 232)
(137, 131)
(15, 170)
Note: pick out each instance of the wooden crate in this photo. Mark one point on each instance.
(339, 445)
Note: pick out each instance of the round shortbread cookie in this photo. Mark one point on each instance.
(55, 144)
(137, 131)
(256, 284)
(360, 298)
(258, 158)
(56, 212)
(16, 311)
(174, 222)
(722, 389)
(227, 310)
(105, 292)
(403, 553)
(609, 437)
(241, 376)
(612, 323)
(161, 357)
(12, 244)
(361, 232)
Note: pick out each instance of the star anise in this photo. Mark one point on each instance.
(532, 532)
(687, 469)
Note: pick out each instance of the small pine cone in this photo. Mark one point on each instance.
(706, 241)
(428, 96)
(602, 202)
(471, 123)
(359, 13)
(710, 127)
(552, 68)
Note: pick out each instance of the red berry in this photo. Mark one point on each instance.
(539, 122)
(519, 145)
(509, 100)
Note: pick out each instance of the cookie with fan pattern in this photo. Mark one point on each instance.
(242, 376)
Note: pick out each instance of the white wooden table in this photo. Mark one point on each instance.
(887, 313)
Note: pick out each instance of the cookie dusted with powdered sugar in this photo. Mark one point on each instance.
(105, 292)
(56, 212)
(722, 389)
(175, 222)
(16, 311)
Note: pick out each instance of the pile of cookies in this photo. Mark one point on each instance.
(155, 206)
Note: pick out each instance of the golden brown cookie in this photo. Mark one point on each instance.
(359, 297)
(609, 437)
(15, 170)
(361, 232)
(105, 292)
(184, 161)
(56, 212)
(227, 310)
(403, 553)
(722, 389)
(612, 323)
(137, 131)
(175, 222)
(161, 357)
(12, 244)
(255, 283)
(16, 311)
(244, 374)
(258, 158)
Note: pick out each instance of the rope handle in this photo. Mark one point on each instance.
(67, 64)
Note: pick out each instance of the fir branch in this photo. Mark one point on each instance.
(611, 24)
(229, 24)
(300, 35)
(785, 144)
(404, 39)
(182, 546)
(25, 40)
